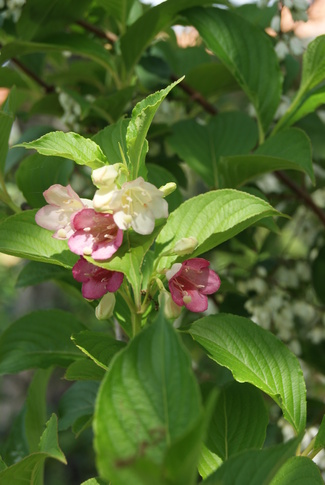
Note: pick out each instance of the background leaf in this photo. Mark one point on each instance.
(256, 356)
(99, 346)
(39, 340)
(143, 380)
(299, 470)
(247, 53)
(78, 401)
(201, 146)
(211, 218)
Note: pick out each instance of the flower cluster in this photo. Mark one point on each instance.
(94, 228)
(12, 9)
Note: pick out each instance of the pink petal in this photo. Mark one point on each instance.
(199, 302)
(51, 218)
(213, 283)
(79, 241)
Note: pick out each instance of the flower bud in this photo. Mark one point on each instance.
(171, 309)
(105, 176)
(185, 245)
(168, 188)
(105, 307)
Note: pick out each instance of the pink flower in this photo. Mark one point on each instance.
(64, 203)
(95, 235)
(96, 281)
(189, 283)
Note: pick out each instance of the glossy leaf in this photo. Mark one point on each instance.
(209, 462)
(238, 423)
(211, 218)
(21, 236)
(253, 467)
(37, 173)
(288, 149)
(256, 356)
(76, 402)
(143, 31)
(100, 347)
(39, 340)
(143, 380)
(247, 53)
(298, 470)
(30, 468)
(141, 118)
(69, 145)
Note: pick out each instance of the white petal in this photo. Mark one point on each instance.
(144, 222)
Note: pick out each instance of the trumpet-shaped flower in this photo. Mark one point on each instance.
(189, 283)
(63, 204)
(137, 204)
(96, 281)
(95, 235)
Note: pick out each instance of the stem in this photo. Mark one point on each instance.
(309, 448)
(48, 89)
(282, 121)
(5, 197)
(136, 323)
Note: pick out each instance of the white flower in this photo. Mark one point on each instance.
(105, 307)
(185, 245)
(104, 177)
(137, 204)
(276, 23)
(296, 46)
(281, 50)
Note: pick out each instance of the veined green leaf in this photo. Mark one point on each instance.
(298, 470)
(313, 65)
(253, 467)
(141, 118)
(143, 381)
(21, 236)
(211, 218)
(30, 468)
(289, 149)
(254, 355)
(39, 340)
(69, 145)
(247, 53)
(202, 146)
(238, 423)
(100, 347)
(76, 402)
(112, 140)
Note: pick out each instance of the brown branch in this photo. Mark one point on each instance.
(48, 88)
(196, 96)
(302, 194)
(108, 36)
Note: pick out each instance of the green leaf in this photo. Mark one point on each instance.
(78, 44)
(248, 54)
(141, 118)
(37, 173)
(201, 146)
(314, 100)
(146, 405)
(30, 468)
(21, 236)
(69, 145)
(211, 79)
(143, 31)
(256, 356)
(211, 218)
(100, 347)
(298, 470)
(84, 370)
(118, 9)
(34, 273)
(40, 339)
(112, 140)
(95, 481)
(253, 467)
(6, 121)
(209, 462)
(35, 417)
(78, 401)
(238, 423)
(288, 149)
(320, 437)
(313, 65)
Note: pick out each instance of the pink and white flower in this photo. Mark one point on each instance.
(95, 235)
(189, 283)
(137, 204)
(63, 204)
(96, 281)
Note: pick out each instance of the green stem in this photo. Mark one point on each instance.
(5, 197)
(136, 322)
(309, 448)
(295, 104)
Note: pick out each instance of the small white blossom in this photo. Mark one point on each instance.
(276, 23)
(105, 307)
(281, 50)
(296, 46)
